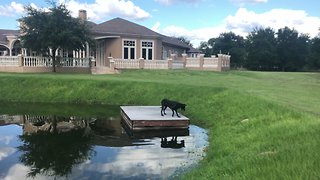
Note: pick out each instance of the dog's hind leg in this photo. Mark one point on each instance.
(164, 110)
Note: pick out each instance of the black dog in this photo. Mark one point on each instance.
(173, 105)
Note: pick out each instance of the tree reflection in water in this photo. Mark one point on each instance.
(93, 143)
(53, 152)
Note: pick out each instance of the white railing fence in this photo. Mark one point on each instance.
(9, 61)
(192, 63)
(38, 61)
(126, 64)
(178, 64)
(33, 61)
(212, 62)
(220, 63)
(75, 62)
(156, 64)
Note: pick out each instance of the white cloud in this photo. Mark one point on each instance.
(240, 2)
(156, 27)
(244, 21)
(97, 11)
(6, 139)
(6, 151)
(195, 36)
(11, 10)
(169, 2)
(20, 171)
(17, 171)
(101, 9)
(151, 161)
(249, 1)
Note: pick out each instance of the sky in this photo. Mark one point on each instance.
(196, 20)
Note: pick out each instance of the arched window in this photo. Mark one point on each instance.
(16, 48)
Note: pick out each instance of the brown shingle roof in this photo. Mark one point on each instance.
(120, 26)
(194, 50)
(174, 41)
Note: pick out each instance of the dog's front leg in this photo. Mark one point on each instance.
(177, 113)
(164, 110)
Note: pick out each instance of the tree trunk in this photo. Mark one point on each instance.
(53, 64)
(54, 60)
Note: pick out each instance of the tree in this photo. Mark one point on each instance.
(185, 40)
(206, 48)
(291, 49)
(261, 49)
(313, 61)
(54, 154)
(47, 31)
(227, 43)
(55, 149)
(230, 43)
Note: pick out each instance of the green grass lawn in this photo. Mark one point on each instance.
(262, 125)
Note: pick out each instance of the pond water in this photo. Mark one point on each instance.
(43, 141)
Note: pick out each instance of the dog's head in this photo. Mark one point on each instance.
(183, 107)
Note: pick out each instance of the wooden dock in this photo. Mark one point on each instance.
(149, 118)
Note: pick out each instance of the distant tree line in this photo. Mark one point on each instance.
(267, 50)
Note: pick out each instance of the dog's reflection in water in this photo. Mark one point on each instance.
(173, 143)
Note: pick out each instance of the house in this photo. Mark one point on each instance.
(122, 39)
(117, 37)
(120, 44)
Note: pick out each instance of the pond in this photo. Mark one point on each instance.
(45, 141)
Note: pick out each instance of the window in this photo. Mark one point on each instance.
(129, 49)
(147, 50)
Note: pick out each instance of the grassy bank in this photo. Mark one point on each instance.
(261, 125)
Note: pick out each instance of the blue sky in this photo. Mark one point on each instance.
(197, 20)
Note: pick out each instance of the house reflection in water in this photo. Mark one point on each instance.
(53, 145)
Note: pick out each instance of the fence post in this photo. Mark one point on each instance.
(141, 63)
(184, 59)
(107, 61)
(112, 65)
(20, 60)
(228, 62)
(201, 60)
(173, 57)
(170, 63)
(220, 56)
(93, 62)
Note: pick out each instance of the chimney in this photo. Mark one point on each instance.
(83, 14)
